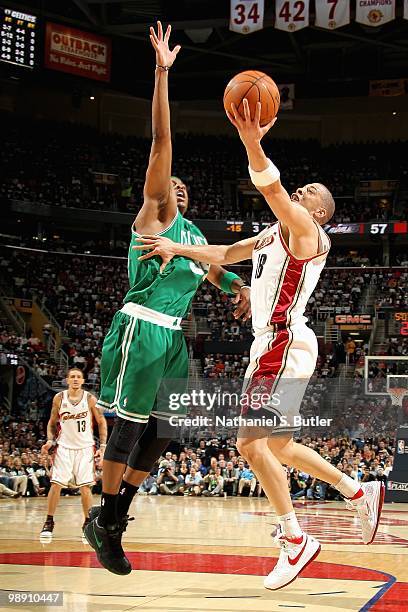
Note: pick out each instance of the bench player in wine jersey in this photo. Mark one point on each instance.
(70, 432)
(288, 258)
(145, 344)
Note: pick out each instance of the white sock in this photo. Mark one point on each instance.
(290, 526)
(348, 486)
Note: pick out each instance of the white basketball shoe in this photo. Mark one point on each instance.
(293, 558)
(368, 508)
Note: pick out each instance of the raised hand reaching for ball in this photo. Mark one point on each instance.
(164, 57)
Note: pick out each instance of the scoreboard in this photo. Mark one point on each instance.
(372, 229)
(18, 38)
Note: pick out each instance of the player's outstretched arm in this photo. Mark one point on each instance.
(209, 253)
(159, 201)
(266, 175)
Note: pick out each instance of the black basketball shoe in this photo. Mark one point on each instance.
(107, 543)
(48, 528)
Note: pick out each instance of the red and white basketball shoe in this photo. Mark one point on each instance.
(293, 558)
(368, 508)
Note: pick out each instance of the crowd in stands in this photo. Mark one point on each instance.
(397, 346)
(391, 288)
(207, 467)
(32, 351)
(65, 169)
(83, 292)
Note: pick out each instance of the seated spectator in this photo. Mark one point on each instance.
(6, 492)
(43, 474)
(246, 478)
(167, 481)
(297, 484)
(149, 485)
(230, 475)
(19, 479)
(214, 483)
(193, 482)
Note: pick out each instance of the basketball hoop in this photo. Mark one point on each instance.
(397, 395)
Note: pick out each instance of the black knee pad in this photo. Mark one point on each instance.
(148, 448)
(122, 440)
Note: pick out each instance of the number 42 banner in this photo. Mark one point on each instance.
(291, 15)
(246, 16)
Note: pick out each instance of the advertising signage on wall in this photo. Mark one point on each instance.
(77, 52)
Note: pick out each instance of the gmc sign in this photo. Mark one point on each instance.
(365, 319)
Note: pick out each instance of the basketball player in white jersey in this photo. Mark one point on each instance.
(288, 258)
(70, 431)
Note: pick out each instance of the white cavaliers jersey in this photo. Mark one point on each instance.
(281, 284)
(75, 423)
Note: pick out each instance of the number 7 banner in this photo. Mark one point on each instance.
(246, 16)
(331, 14)
(291, 15)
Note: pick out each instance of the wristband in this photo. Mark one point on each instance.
(165, 68)
(102, 446)
(266, 177)
(53, 442)
(227, 280)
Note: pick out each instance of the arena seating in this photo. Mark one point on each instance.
(60, 171)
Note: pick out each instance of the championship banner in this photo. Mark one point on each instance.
(291, 15)
(246, 16)
(375, 12)
(405, 9)
(332, 14)
(77, 52)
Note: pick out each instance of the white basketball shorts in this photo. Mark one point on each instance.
(73, 465)
(281, 364)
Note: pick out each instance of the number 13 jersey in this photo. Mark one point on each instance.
(282, 284)
(75, 423)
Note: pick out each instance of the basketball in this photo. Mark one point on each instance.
(256, 87)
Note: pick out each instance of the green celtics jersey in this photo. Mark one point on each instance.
(171, 291)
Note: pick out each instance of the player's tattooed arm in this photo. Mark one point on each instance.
(100, 420)
(214, 254)
(52, 424)
(159, 200)
(102, 429)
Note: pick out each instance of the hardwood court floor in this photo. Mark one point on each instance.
(206, 554)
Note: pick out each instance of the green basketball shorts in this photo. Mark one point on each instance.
(143, 351)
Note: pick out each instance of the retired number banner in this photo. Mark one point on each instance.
(291, 15)
(332, 14)
(375, 12)
(246, 16)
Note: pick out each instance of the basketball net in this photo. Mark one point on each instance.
(397, 395)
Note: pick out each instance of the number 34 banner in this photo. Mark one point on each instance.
(246, 16)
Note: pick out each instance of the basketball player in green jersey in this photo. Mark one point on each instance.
(145, 344)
